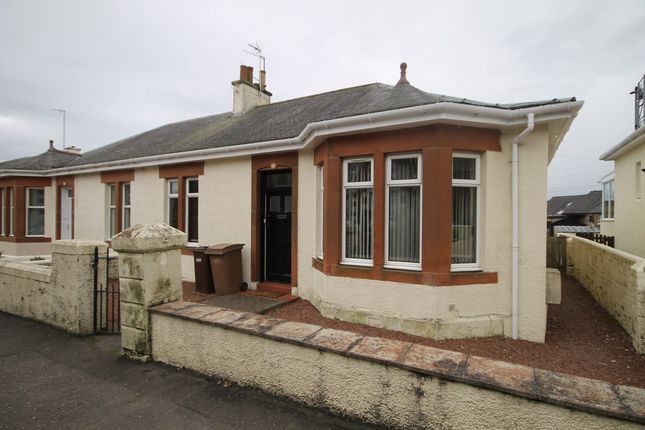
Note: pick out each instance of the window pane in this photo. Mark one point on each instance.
(112, 195)
(126, 194)
(112, 221)
(173, 212)
(464, 168)
(464, 225)
(360, 171)
(126, 218)
(174, 186)
(404, 224)
(36, 197)
(36, 222)
(287, 204)
(192, 226)
(278, 179)
(358, 223)
(193, 186)
(274, 203)
(404, 168)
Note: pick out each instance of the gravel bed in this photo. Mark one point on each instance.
(582, 339)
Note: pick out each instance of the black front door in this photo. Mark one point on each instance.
(277, 227)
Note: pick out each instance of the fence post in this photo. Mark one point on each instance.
(149, 274)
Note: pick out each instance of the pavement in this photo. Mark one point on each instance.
(53, 380)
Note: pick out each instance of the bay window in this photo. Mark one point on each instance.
(465, 211)
(35, 211)
(403, 211)
(358, 207)
(608, 199)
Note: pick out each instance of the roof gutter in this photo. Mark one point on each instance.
(445, 113)
(625, 145)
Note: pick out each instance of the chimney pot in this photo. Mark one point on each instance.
(263, 80)
(242, 73)
(403, 79)
(249, 74)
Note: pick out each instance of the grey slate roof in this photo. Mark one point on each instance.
(275, 121)
(575, 229)
(590, 203)
(50, 159)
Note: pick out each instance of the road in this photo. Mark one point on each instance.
(53, 380)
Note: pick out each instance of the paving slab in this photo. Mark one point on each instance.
(244, 303)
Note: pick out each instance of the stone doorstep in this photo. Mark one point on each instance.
(569, 391)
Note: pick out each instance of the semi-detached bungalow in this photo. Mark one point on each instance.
(380, 204)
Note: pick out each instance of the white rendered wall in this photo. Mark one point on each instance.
(89, 210)
(225, 206)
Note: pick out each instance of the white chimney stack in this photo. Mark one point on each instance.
(246, 94)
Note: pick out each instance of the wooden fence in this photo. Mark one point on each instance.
(556, 252)
(598, 238)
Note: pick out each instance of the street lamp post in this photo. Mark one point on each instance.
(61, 110)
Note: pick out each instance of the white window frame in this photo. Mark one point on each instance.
(124, 206)
(2, 215)
(11, 209)
(346, 185)
(320, 199)
(389, 182)
(471, 183)
(111, 206)
(186, 197)
(170, 195)
(28, 206)
(608, 181)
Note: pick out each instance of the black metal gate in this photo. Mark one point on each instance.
(107, 311)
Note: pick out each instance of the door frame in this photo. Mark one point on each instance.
(64, 182)
(264, 193)
(260, 163)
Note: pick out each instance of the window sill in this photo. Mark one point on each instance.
(406, 268)
(25, 239)
(465, 269)
(357, 264)
(406, 276)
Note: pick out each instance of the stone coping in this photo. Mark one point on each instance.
(569, 391)
(27, 270)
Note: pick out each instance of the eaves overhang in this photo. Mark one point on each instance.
(631, 141)
(315, 132)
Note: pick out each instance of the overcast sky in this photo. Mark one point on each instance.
(120, 68)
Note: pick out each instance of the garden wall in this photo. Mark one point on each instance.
(615, 279)
(60, 294)
(381, 381)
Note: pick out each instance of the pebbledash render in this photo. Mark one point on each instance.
(384, 205)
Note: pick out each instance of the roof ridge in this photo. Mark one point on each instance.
(324, 93)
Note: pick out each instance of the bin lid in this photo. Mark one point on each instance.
(223, 248)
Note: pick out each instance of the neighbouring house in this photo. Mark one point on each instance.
(623, 194)
(579, 210)
(380, 204)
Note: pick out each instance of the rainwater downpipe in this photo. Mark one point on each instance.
(515, 203)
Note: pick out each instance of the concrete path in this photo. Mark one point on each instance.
(52, 380)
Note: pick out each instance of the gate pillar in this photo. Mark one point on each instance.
(149, 275)
(73, 278)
